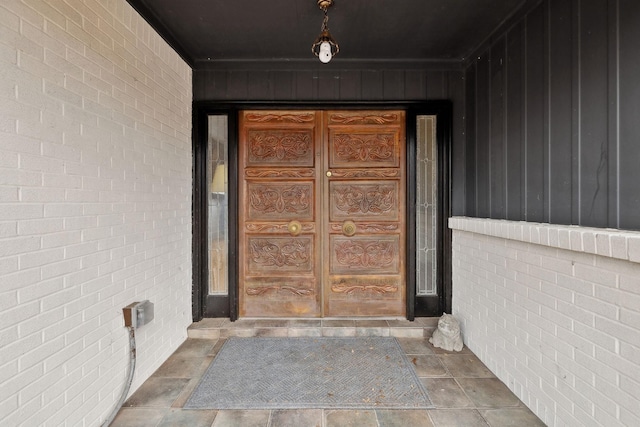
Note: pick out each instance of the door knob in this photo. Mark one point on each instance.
(294, 228)
(329, 173)
(348, 228)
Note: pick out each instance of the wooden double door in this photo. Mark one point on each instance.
(321, 213)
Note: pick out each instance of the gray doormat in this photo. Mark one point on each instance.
(326, 372)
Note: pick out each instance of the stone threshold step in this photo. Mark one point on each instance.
(216, 328)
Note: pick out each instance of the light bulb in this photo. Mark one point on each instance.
(325, 52)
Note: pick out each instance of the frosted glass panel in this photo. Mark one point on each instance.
(217, 196)
(426, 206)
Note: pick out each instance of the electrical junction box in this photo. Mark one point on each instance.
(138, 314)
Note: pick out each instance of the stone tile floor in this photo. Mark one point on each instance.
(464, 392)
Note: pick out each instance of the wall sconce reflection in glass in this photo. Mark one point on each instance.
(219, 181)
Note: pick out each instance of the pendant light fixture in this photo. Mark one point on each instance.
(325, 47)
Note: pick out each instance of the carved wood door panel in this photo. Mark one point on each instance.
(364, 248)
(279, 256)
(321, 215)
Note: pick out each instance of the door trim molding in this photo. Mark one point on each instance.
(204, 305)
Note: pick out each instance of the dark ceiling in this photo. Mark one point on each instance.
(223, 31)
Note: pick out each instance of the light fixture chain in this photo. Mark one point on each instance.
(325, 21)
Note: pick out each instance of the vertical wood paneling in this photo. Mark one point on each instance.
(436, 84)
(471, 144)
(545, 99)
(283, 87)
(497, 145)
(209, 84)
(456, 83)
(535, 163)
(350, 85)
(259, 85)
(571, 107)
(199, 84)
(613, 49)
(594, 112)
(560, 114)
(576, 212)
(237, 85)
(515, 124)
(483, 135)
(415, 86)
(328, 85)
(221, 89)
(393, 84)
(306, 85)
(372, 85)
(629, 152)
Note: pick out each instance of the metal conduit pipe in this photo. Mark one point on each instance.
(127, 386)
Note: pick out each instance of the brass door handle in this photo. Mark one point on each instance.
(329, 173)
(294, 228)
(348, 228)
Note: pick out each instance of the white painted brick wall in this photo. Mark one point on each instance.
(554, 312)
(95, 205)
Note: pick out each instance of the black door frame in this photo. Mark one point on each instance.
(205, 305)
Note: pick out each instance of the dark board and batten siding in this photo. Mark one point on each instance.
(315, 85)
(553, 102)
(629, 111)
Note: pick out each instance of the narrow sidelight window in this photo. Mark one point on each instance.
(217, 161)
(426, 203)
